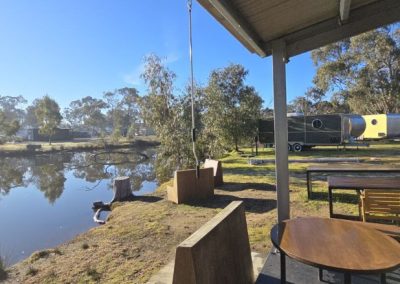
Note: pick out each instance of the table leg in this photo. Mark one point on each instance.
(347, 278)
(309, 186)
(320, 274)
(330, 202)
(383, 278)
(283, 267)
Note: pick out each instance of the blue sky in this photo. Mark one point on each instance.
(69, 49)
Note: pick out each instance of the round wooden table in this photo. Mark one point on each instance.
(339, 245)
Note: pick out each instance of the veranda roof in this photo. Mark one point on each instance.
(303, 24)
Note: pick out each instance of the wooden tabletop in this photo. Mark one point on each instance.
(353, 168)
(337, 244)
(364, 182)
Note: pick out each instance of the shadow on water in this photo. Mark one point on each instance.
(253, 205)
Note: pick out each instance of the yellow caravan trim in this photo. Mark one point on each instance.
(375, 126)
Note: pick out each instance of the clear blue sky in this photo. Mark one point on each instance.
(69, 49)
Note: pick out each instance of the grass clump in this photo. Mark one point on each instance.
(94, 275)
(44, 254)
(84, 246)
(3, 272)
(32, 271)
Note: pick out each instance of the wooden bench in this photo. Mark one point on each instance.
(381, 205)
(346, 169)
(358, 184)
(218, 252)
(217, 168)
(187, 187)
(375, 188)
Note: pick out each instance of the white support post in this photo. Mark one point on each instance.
(281, 130)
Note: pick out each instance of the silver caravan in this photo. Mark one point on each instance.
(315, 130)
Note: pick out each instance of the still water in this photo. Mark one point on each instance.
(46, 200)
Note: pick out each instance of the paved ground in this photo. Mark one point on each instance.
(164, 276)
(299, 273)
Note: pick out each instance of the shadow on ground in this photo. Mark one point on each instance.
(337, 197)
(238, 186)
(147, 198)
(253, 205)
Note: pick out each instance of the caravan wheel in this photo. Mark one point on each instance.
(289, 147)
(297, 147)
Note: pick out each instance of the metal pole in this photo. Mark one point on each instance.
(281, 129)
(189, 5)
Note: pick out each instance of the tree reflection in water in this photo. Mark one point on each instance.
(47, 172)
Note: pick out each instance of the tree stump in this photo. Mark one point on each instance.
(122, 189)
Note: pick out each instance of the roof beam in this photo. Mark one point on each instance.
(363, 19)
(238, 23)
(344, 10)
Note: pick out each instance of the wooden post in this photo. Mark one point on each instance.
(122, 189)
(281, 130)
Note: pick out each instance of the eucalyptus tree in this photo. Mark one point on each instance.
(362, 74)
(123, 111)
(167, 113)
(11, 115)
(87, 113)
(232, 108)
(48, 116)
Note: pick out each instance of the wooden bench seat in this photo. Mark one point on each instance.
(217, 168)
(379, 204)
(187, 187)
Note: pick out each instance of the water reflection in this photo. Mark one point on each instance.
(47, 172)
(46, 199)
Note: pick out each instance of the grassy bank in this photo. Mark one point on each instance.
(141, 236)
(27, 148)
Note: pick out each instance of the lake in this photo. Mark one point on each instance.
(46, 199)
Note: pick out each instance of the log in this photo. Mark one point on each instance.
(122, 189)
(97, 216)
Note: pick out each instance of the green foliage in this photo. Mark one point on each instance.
(361, 74)
(226, 112)
(10, 115)
(168, 115)
(7, 127)
(86, 114)
(231, 109)
(48, 116)
(123, 113)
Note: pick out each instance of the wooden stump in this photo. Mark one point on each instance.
(122, 189)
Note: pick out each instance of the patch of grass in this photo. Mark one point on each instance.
(3, 272)
(94, 275)
(32, 271)
(84, 246)
(44, 254)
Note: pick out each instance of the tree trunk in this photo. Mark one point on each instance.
(122, 189)
(236, 146)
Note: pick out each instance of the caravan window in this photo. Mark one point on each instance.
(316, 123)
